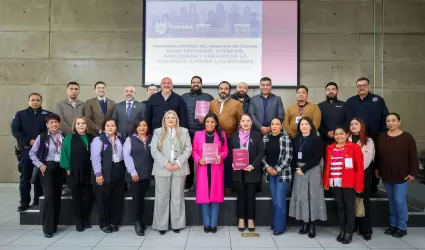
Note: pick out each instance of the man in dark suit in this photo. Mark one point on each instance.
(99, 108)
(265, 106)
(128, 112)
(163, 101)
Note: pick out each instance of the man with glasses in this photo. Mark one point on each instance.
(372, 109)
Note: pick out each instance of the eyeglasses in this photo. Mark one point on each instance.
(362, 86)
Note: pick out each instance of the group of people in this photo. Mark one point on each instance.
(99, 146)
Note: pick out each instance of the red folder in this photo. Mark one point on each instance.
(210, 153)
(240, 158)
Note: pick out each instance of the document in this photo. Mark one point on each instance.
(201, 109)
(240, 158)
(210, 153)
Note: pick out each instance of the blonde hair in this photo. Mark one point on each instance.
(164, 130)
(74, 122)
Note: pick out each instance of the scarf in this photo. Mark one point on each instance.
(244, 137)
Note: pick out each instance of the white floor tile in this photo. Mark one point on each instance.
(265, 240)
(201, 239)
(380, 240)
(67, 248)
(15, 224)
(121, 238)
(7, 236)
(326, 236)
(36, 238)
(291, 238)
(22, 248)
(83, 239)
(170, 239)
(162, 248)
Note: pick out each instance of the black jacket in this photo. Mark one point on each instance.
(27, 124)
(312, 151)
(190, 99)
(157, 107)
(256, 153)
(245, 103)
(334, 114)
(373, 110)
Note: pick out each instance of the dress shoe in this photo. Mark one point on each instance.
(23, 207)
(138, 228)
(312, 230)
(161, 232)
(252, 229)
(277, 233)
(241, 229)
(47, 235)
(399, 233)
(114, 228)
(176, 231)
(107, 229)
(347, 239)
(79, 228)
(213, 230)
(390, 230)
(207, 229)
(304, 229)
(367, 236)
(34, 203)
(340, 237)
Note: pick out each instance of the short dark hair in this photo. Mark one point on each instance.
(246, 114)
(225, 82)
(302, 87)
(331, 84)
(152, 85)
(107, 120)
(73, 83)
(395, 114)
(29, 97)
(363, 79)
(196, 77)
(137, 123)
(99, 82)
(52, 116)
(266, 79)
(310, 121)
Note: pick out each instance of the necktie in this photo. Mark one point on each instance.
(128, 110)
(103, 106)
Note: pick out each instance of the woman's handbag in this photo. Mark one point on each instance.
(359, 207)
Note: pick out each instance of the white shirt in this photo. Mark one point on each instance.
(172, 133)
(101, 99)
(222, 103)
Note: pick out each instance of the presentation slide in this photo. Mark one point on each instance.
(234, 41)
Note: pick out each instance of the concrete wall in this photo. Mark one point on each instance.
(46, 43)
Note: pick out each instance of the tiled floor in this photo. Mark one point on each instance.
(14, 237)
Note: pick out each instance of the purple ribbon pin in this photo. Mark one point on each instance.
(105, 146)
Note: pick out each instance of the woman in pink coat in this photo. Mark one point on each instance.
(209, 177)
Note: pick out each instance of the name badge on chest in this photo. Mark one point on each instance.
(300, 155)
(115, 158)
(57, 157)
(348, 162)
(297, 119)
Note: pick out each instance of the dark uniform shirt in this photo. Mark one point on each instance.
(334, 114)
(245, 102)
(373, 110)
(28, 124)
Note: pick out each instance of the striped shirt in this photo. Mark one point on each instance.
(337, 159)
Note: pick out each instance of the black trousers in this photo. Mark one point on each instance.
(138, 192)
(82, 199)
(110, 203)
(246, 200)
(364, 224)
(345, 202)
(52, 185)
(25, 168)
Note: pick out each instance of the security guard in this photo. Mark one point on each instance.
(26, 125)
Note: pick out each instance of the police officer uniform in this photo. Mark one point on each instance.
(26, 125)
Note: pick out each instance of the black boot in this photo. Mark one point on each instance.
(347, 239)
(312, 230)
(390, 230)
(304, 229)
(340, 237)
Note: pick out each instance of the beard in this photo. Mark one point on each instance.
(224, 96)
(331, 98)
(240, 94)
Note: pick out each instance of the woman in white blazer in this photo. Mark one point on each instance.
(358, 135)
(170, 148)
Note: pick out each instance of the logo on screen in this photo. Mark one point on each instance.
(160, 28)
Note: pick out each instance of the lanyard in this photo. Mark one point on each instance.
(114, 145)
(56, 140)
(302, 143)
(301, 109)
(144, 141)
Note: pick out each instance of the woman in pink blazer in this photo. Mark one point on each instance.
(209, 177)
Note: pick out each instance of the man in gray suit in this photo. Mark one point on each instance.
(128, 112)
(69, 108)
(265, 106)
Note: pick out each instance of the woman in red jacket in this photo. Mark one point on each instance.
(344, 173)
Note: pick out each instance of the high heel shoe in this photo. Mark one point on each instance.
(241, 228)
(251, 226)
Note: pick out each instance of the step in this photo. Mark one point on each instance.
(227, 215)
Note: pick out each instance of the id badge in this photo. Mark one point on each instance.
(115, 158)
(57, 157)
(300, 155)
(297, 119)
(348, 162)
